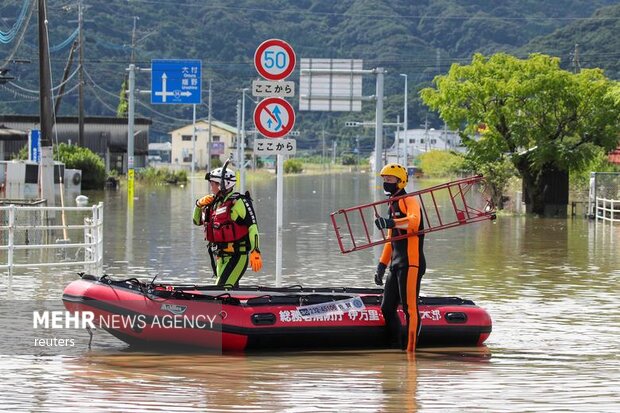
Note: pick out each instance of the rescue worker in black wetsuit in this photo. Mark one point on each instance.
(230, 227)
(405, 257)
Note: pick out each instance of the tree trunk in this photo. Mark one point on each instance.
(545, 191)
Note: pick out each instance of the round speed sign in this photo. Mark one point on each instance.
(274, 59)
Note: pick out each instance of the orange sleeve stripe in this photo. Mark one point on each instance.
(412, 308)
(412, 221)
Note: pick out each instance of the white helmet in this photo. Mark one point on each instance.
(216, 176)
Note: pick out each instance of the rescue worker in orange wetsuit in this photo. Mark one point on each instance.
(405, 257)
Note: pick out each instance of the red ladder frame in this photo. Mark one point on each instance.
(462, 213)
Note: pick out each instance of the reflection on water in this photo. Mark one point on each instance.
(550, 286)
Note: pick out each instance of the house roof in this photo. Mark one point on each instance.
(215, 123)
(105, 120)
(614, 156)
(160, 146)
(9, 134)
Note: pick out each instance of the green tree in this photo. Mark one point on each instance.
(123, 104)
(440, 164)
(76, 157)
(544, 120)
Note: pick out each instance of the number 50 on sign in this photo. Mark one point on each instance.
(274, 59)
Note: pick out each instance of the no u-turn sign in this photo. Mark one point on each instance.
(274, 117)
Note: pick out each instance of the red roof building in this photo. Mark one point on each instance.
(614, 156)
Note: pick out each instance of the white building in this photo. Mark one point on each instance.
(223, 142)
(415, 142)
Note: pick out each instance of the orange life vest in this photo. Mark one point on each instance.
(219, 225)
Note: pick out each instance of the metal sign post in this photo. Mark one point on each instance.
(336, 85)
(130, 134)
(274, 117)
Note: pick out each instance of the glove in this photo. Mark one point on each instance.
(383, 223)
(205, 200)
(380, 273)
(256, 262)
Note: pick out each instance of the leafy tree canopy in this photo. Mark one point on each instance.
(528, 107)
(530, 112)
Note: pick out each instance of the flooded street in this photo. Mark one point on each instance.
(550, 286)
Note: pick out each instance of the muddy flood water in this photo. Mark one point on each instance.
(550, 286)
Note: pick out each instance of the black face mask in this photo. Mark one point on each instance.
(390, 188)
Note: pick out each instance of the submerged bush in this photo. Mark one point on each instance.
(77, 157)
(152, 175)
(293, 166)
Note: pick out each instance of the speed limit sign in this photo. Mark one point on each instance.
(274, 59)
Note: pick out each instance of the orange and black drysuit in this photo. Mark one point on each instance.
(407, 265)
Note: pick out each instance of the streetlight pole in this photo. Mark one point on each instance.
(242, 159)
(210, 131)
(80, 141)
(193, 140)
(405, 125)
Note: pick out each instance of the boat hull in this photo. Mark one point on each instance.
(263, 318)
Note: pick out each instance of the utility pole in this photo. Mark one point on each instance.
(238, 109)
(193, 139)
(426, 133)
(323, 148)
(130, 132)
(405, 124)
(210, 131)
(380, 72)
(45, 84)
(64, 78)
(133, 40)
(46, 168)
(242, 166)
(576, 65)
(81, 75)
(378, 181)
(397, 139)
(357, 148)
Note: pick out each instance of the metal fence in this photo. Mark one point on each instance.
(608, 209)
(605, 185)
(33, 235)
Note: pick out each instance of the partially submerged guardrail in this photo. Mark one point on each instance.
(33, 236)
(608, 209)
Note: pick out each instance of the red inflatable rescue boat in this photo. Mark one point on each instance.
(210, 317)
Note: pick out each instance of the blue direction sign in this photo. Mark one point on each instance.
(176, 81)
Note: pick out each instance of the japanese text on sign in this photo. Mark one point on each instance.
(275, 146)
(264, 88)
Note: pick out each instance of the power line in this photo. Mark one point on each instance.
(36, 92)
(19, 40)
(137, 101)
(8, 36)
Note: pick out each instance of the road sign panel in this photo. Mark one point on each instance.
(330, 85)
(267, 88)
(176, 81)
(274, 59)
(34, 145)
(274, 117)
(275, 146)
